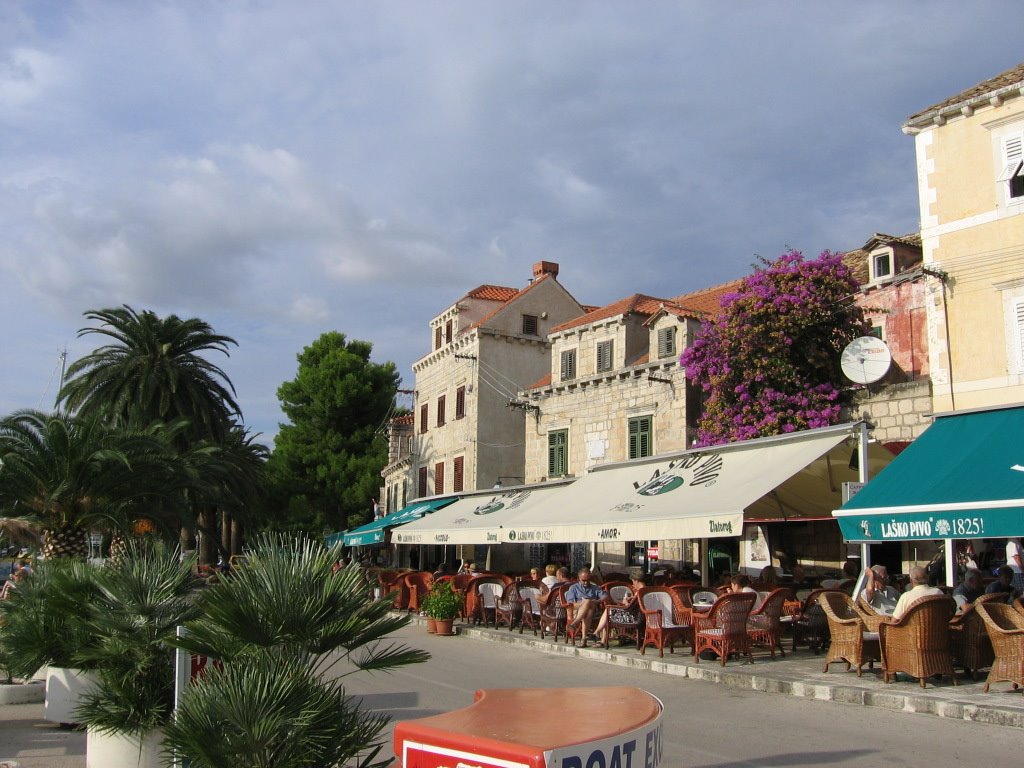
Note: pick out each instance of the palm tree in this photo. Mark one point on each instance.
(65, 473)
(155, 372)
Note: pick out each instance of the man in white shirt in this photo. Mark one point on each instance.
(1013, 559)
(877, 592)
(919, 579)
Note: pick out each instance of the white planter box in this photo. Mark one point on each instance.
(65, 687)
(115, 751)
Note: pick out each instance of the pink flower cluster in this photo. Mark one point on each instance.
(769, 363)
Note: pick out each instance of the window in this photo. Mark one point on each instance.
(439, 478)
(640, 437)
(1018, 319)
(422, 482)
(604, 355)
(1013, 165)
(448, 332)
(457, 464)
(440, 411)
(877, 331)
(569, 364)
(437, 337)
(460, 403)
(529, 325)
(424, 412)
(881, 265)
(666, 342)
(558, 459)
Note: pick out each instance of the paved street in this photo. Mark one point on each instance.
(706, 725)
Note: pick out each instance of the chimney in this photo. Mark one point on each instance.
(542, 268)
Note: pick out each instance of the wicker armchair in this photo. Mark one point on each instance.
(764, 625)
(723, 631)
(810, 625)
(417, 585)
(850, 641)
(553, 613)
(529, 602)
(618, 591)
(662, 623)
(872, 619)
(918, 642)
(968, 640)
(508, 608)
(1005, 627)
(482, 594)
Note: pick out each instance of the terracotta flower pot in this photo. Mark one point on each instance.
(444, 626)
(431, 626)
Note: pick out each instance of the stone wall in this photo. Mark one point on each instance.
(900, 412)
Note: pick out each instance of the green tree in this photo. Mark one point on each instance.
(154, 371)
(326, 462)
(769, 363)
(66, 472)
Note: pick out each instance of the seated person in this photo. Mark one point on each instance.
(969, 590)
(561, 576)
(919, 588)
(585, 596)
(877, 592)
(534, 574)
(602, 630)
(1003, 584)
(442, 570)
(769, 577)
(550, 579)
(741, 583)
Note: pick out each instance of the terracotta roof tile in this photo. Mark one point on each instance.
(406, 419)
(639, 359)
(638, 304)
(1011, 78)
(542, 382)
(492, 293)
(707, 301)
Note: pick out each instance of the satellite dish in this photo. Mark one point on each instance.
(865, 359)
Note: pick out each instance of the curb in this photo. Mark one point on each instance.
(31, 692)
(780, 682)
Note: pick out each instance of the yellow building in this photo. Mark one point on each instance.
(970, 170)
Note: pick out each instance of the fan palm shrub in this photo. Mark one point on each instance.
(45, 620)
(286, 630)
(141, 599)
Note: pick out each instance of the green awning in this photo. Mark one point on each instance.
(373, 532)
(963, 478)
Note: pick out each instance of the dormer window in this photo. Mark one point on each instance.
(881, 266)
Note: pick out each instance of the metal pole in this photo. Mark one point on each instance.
(862, 454)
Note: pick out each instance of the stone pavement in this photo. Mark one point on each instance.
(798, 674)
(36, 743)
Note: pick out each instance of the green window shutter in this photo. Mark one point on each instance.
(557, 454)
(640, 437)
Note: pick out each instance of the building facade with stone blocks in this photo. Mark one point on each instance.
(395, 492)
(970, 170)
(484, 348)
(615, 391)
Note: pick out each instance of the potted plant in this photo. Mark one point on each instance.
(283, 633)
(45, 624)
(443, 604)
(141, 599)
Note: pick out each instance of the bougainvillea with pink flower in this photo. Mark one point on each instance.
(769, 363)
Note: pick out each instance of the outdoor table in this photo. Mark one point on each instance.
(511, 728)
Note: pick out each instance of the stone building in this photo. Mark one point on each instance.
(614, 391)
(467, 431)
(970, 170)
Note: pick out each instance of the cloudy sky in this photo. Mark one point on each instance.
(281, 169)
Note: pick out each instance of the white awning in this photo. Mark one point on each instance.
(700, 493)
(477, 517)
